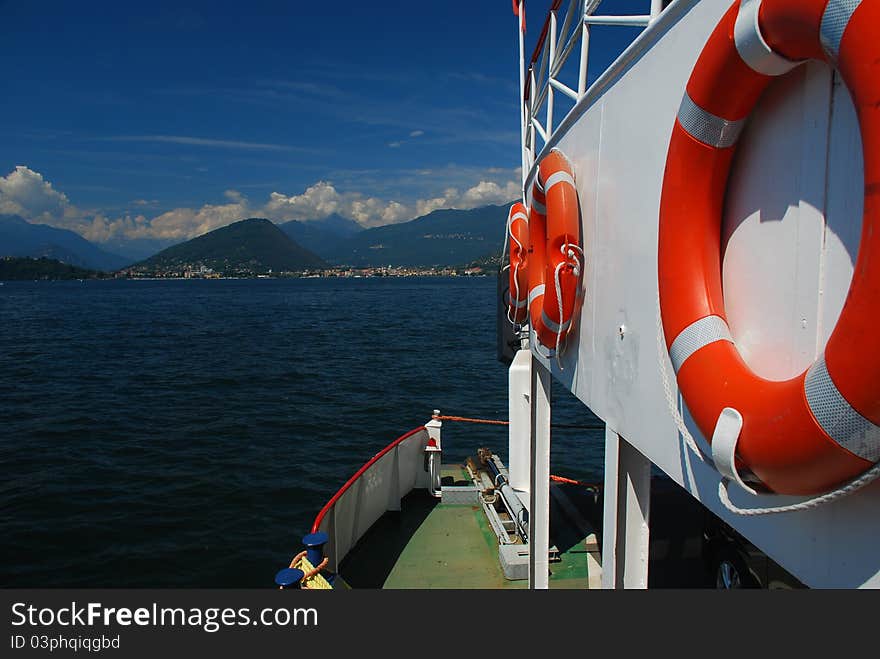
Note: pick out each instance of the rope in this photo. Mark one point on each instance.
(571, 481)
(498, 422)
(297, 559)
(856, 484)
(506, 235)
(723, 486)
(516, 286)
(444, 417)
(662, 356)
(315, 570)
(558, 354)
(568, 250)
(515, 277)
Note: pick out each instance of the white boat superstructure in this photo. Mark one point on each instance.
(789, 239)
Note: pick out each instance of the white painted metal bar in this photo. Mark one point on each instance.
(656, 8)
(542, 70)
(567, 36)
(537, 125)
(569, 15)
(626, 513)
(539, 101)
(519, 412)
(563, 55)
(532, 148)
(582, 72)
(628, 21)
(551, 63)
(539, 477)
(568, 91)
(545, 68)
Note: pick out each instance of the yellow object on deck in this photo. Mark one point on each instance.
(314, 582)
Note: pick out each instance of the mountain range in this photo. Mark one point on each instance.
(317, 235)
(250, 246)
(441, 238)
(21, 238)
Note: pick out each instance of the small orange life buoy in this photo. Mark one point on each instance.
(555, 253)
(815, 431)
(518, 234)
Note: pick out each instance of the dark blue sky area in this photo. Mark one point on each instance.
(144, 107)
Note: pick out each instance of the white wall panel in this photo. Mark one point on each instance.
(785, 270)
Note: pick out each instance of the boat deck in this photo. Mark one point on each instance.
(432, 544)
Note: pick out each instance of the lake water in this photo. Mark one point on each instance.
(185, 433)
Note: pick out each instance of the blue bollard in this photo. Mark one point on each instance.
(289, 577)
(314, 543)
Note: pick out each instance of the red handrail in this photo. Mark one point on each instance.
(360, 472)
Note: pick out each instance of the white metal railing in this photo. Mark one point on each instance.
(377, 487)
(540, 76)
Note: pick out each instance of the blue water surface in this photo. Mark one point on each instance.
(185, 433)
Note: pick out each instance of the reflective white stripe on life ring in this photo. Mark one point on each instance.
(535, 293)
(706, 127)
(538, 207)
(521, 216)
(552, 326)
(751, 46)
(558, 177)
(517, 304)
(837, 417)
(834, 22)
(698, 334)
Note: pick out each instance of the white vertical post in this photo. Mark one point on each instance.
(585, 53)
(548, 126)
(434, 426)
(533, 149)
(627, 509)
(656, 8)
(519, 411)
(539, 485)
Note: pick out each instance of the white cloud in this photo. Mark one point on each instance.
(489, 192)
(26, 193)
(417, 133)
(201, 141)
(319, 200)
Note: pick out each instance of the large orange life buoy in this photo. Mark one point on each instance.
(555, 254)
(815, 431)
(518, 234)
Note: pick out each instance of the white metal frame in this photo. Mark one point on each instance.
(539, 78)
(792, 219)
(627, 472)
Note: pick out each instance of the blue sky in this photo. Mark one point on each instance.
(118, 114)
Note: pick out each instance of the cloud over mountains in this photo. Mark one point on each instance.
(27, 193)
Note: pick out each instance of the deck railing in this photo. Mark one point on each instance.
(540, 77)
(376, 488)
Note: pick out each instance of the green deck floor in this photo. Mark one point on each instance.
(437, 545)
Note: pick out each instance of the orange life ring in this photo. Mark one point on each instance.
(815, 431)
(555, 254)
(518, 234)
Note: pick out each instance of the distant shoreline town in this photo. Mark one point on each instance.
(202, 272)
(46, 269)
